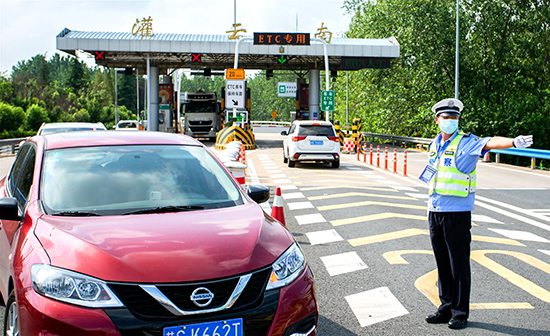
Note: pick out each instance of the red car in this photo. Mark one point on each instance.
(122, 233)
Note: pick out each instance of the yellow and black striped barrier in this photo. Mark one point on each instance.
(339, 133)
(235, 133)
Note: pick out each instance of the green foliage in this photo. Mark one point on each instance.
(264, 97)
(504, 67)
(36, 115)
(11, 117)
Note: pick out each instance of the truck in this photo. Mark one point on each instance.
(201, 114)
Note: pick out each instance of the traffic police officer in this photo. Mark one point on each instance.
(451, 175)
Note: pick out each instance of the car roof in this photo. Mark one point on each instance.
(107, 138)
(311, 122)
(70, 124)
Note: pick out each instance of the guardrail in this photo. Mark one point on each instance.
(394, 138)
(270, 123)
(533, 153)
(10, 146)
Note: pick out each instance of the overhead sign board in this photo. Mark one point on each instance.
(281, 38)
(328, 100)
(356, 63)
(235, 94)
(287, 89)
(234, 73)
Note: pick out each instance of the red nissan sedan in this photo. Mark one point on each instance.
(108, 233)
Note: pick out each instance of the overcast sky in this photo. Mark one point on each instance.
(28, 28)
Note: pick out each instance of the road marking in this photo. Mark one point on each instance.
(275, 176)
(485, 219)
(293, 195)
(521, 235)
(288, 187)
(415, 232)
(404, 188)
(353, 168)
(310, 219)
(256, 180)
(388, 182)
(545, 251)
(515, 208)
(347, 187)
(375, 305)
(516, 279)
(341, 182)
(282, 181)
(358, 204)
(273, 171)
(355, 194)
(379, 216)
(427, 285)
(323, 237)
(299, 205)
(418, 195)
(513, 215)
(343, 263)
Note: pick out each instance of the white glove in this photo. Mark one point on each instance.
(523, 141)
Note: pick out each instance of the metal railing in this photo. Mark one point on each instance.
(402, 139)
(270, 123)
(10, 146)
(532, 153)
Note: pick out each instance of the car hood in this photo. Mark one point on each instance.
(170, 247)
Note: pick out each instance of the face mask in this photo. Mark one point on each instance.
(448, 126)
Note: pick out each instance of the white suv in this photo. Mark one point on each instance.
(311, 140)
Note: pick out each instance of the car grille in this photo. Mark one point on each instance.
(143, 305)
(200, 122)
(200, 129)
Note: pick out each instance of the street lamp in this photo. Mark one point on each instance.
(456, 54)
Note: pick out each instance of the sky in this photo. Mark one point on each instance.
(28, 28)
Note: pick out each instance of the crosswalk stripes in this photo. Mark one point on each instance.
(521, 235)
(343, 263)
(375, 305)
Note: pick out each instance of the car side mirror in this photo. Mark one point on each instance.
(9, 209)
(284, 133)
(258, 193)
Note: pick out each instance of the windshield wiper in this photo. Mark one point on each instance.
(163, 209)
(76, 213)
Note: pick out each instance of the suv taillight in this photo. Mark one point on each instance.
(298, 138)
(334, 138)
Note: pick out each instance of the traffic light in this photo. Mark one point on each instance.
(268, 74)
(333, 75)
(129, 71)
(207, 72)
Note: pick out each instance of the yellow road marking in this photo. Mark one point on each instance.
(415, 232)
(352, 194)
(516, 279)
(358, 204)
(351, 175)
(502, 305)
(379, 216)
(396, 257)
(348, 187)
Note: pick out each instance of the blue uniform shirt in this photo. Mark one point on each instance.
(470, 148)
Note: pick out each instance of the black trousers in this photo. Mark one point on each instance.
(450, 236)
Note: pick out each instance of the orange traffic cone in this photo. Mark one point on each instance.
(277, 211)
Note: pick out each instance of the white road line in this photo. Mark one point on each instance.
(273, 171)
(545, 252)
(520, 171)
(255, 180)
(288, 187)
(282, 181)
(521, 235)
(310, 219)
(343, 263)
(293, 195)
(299, 205)
(387, 182)
(404, 188)
(418, 195)
(515, 208)
(323, 237)
(275, 176)
(375, 305)
(513, 215)
(485, 219)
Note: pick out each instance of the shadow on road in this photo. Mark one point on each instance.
(506, 330)
(326, 326)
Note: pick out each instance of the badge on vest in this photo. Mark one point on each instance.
(427, 174)
(450, 152)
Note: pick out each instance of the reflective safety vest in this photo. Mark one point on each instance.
(448, 180)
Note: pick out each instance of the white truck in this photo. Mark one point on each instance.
(201, 114)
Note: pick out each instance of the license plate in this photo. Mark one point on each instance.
(316, 142)
(233, 327)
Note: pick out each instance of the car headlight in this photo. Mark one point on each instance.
(72, 287)
(287, 267)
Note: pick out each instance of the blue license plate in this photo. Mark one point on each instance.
(233, 327)
(316, 142)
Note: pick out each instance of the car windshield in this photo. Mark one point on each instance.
(118, 180)
(200, 106)
(316, 130)
(127, 125)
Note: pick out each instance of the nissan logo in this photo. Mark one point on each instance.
(202, 297)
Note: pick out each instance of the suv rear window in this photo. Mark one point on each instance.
(316, 130)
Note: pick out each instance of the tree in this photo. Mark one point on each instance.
(36, 116)
(11, 118)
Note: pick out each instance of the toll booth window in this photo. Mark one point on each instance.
(316, 130)
(200, 106)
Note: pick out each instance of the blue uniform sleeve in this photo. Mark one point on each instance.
(469, 151)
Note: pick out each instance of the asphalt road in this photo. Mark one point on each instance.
(363, 230)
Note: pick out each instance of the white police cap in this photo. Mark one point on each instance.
(448, 107)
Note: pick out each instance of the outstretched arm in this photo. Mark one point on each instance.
(522, 141)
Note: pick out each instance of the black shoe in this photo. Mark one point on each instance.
(438, 318)
(455, 323)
